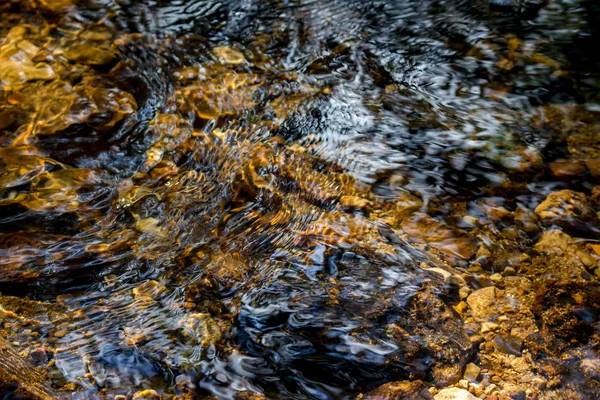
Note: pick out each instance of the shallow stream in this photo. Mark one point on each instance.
(299, 199)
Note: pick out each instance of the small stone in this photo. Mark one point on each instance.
(513, 392)
(463, 384)
(454, 394)
(458, 280)
(16, 32)
(148, 225)
(520, 365)
(354, 201)
(228, 55)
(445, 274)
(96, 35)
(522, 332)
(454, 243)
(472, 372)
(476, 267)
(201, 328)
(487, 327)
(593, 165)
(146, 394)
(496, 278)
(29, 48)
(509, 271)
(566, 208)
(476, 339)
(460, 307)
(445, 375)
(483, 252)
(249, 396)
(508, 345)
(523, 160)
(586, 258)
(61, 333)
(463, 292)
(485, 303)
(567, 168)
(89, 53)
(470, 220)
(417, 390)
(553, 241)
(590, 368)
(491, 388)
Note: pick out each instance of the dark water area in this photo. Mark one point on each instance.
(299, 199)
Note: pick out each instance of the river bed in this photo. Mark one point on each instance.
(297, 199)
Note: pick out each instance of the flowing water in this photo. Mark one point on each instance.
(247, 197)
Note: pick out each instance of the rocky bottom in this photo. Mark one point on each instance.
(299, 199)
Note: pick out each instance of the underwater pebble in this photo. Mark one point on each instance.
(454, 394)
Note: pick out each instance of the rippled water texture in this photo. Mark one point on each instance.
(293, 199)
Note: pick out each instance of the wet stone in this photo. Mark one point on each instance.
(451, 242)
(593, 165)
(228, 55)
(508, 345)
(89, 53)
(454, 394)
(472, 372)
(555, 240)
(567, 168)
(417, 390)
(566, 208)
(146, 394)
(486, 303)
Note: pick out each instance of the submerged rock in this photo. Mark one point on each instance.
(415, 390)
(486, 303)
(584, 143)
(567, 168)
(472, 372)
(18, 379)
(508, 345)
(555, 240)
(566, 208)
(454, 394)
(89, 53)
(228, 55)
(452, 242)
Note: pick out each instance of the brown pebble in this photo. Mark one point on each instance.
(567, 168)
(460, 307)
(60, 333)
